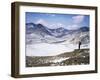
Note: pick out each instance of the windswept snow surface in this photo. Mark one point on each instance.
(45, 49)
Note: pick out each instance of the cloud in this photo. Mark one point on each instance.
(78, 19)
(72, 27)
(53, 15)
(56, 25)
(49, 25)
(41, 21)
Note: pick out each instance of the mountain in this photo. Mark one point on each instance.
(84, 29)
(35, 28)
(59, 32)
(39, 28)
(30, 27)
(37, 33)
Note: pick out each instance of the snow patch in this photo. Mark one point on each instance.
(45, 49)
(60, 60)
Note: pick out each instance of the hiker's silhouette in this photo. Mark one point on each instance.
(79, 45)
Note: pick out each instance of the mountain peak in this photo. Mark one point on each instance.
(84, 29)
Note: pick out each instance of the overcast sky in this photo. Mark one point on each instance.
(51, 20)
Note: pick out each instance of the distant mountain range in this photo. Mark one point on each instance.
(31, 28)
(36, 33)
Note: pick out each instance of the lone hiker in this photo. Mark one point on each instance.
(79, 45)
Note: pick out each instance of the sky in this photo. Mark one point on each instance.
(53, 21)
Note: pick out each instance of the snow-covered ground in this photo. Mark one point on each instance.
(60, 60)
(45, 49)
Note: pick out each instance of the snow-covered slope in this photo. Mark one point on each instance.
(60, 38)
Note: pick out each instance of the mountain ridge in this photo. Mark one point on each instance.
(40, 33)
(53, 32)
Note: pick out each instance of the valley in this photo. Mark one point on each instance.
(56, 47)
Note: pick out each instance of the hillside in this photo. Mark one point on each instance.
(76, 57)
